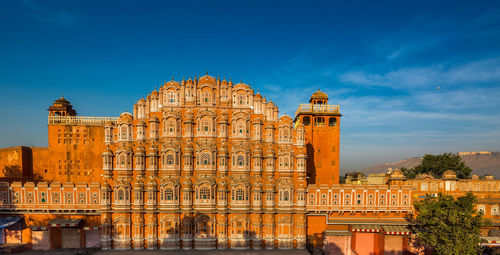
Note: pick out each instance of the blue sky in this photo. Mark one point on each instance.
(380, 61)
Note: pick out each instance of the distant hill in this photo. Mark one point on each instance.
(480, 164)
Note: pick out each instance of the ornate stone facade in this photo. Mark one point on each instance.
(203, 164)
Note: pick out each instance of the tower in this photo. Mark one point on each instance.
(321, 122)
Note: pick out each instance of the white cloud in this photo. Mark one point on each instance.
(480, 71)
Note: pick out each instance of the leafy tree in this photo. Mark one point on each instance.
(436, 165)
(447, 225)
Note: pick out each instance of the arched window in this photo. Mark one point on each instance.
(240, 160)
(286, 195)
(172, 97)
(204, 193)
(206, 97)
(171, 127)
(170, 159)
(205, 159)
(169, 194)
(481, 208)
(494, 210)
(241, 99)
(306, 120)
(332, 122)
(239, 194)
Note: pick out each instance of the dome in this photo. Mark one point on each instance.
(126, 117)
(241, 86)
(171, 83)
(206, 79)
(449, 174)
(489, 177)
(154, 93)
(474, 177)
(319, 95)
(142, 101)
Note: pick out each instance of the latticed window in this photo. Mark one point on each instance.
(205, 193)
(169, 194)
(172, 97)
(120, 194)
(239, 195)
(240, 160)
(205, 159)
(170, 159)
(205, 126)
(171, 126)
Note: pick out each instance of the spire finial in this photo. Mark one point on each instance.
(172, 77)
(206, 72)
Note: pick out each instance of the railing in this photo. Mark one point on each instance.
(317, 108)
(91, 250)
(81, 120)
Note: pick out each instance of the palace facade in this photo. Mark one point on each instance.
(207, 164)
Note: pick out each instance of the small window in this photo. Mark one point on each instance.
(306, 120)
(332, 122)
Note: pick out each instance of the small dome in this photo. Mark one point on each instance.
(153, 119)
(396, 175)
(489, 177)
(154, 93)
(107, 152)
(142, 101)
(319, 95)
(141, 123)
(474, 177)
(257, 121)
(449, 174)
(125, 117)
(139, 184)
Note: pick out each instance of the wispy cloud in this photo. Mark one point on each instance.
(480, 71)
(41, 12)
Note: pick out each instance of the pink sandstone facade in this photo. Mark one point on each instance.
(208, 164)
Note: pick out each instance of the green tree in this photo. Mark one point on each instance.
(437, 164)
(447, 225)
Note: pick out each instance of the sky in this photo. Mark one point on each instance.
(381, 61)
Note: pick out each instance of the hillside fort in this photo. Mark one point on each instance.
(207, 164)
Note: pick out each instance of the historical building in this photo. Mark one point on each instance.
(208, 164)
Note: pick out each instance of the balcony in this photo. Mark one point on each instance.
(317, 108)
(81, 120)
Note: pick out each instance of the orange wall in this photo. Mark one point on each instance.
(322, 144)
(15, 163)
(75, 153)
(368, 243)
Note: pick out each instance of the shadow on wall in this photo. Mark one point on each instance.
(311, 168)
(332, 249)
(14, 173)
